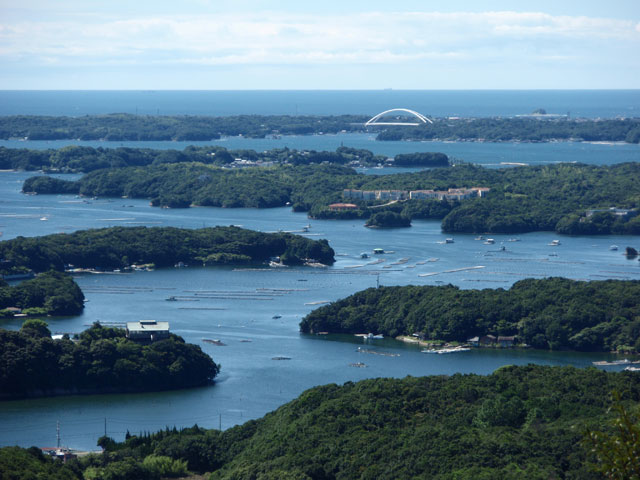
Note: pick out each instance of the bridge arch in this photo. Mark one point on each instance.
(422, 119)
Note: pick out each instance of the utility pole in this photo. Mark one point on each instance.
(58, 432)
(220, 422)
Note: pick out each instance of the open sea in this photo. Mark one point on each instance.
(257, 329)
(436, 103)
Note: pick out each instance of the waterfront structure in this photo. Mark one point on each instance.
(421, 118)
(147, 330)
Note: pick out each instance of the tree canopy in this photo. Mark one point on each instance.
(100, 360)
(552, 313)
(119, 247)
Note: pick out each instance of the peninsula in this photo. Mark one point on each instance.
(551, 313)
(518, 422)
(98, 360)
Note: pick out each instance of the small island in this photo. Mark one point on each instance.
(121, 247)
(388, 220)
(98, 360)
(551, 313)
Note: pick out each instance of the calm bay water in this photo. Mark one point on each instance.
(437, 103)
(251, 383)
(492, 155)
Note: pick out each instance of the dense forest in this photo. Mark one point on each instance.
(128, 127)
(522, 199)
(551, 313)
(119, 247)
(73, 158)
(100, 359)
(537, 129)
(527, 422)
(388, 219)
(50, 293)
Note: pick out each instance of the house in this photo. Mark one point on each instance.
(147, 330)
(60, 453)
(506, 342)
(338, 207)
(487, 341)
(620, 212)
(474, 342)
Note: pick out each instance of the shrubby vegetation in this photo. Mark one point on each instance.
(50, 293)
(102, 359)
(553, 313)
(118, 247)
(519, 422)
(520, 129)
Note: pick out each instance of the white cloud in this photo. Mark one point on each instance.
(300, 38)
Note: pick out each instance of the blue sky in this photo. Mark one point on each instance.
(252, 44)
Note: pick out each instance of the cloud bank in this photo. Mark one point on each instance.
(441, 40)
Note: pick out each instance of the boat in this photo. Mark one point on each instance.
(441, 351)
(448, 240)
(171, 299)
(44, 219)
(613, 247)
(358, 365)
(364, 255)
(275, 317)
(514, 240)
(453, 350)
(614, 362)
(378, 251)
(274, 264)
(632, 369)
(554, 243)
(479, 237)
(489, 241)
(217, 342)
(503, 248)
(371, 336)
(280, 357)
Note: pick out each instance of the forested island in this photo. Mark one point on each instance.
(388, 219)
(551, 313)
(534, 422)
(50, 293)
(120, 247)
(536, 128)
(566, 198)
(128, 127)
(73, 159)
(99, 360)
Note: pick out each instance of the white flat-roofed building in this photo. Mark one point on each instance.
(422, 194)
(147, 330)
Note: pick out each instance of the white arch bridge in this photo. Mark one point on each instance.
(422, 119)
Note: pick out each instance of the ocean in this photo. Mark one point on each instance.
(434, 103)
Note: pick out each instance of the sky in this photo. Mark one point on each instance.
(328, 45)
